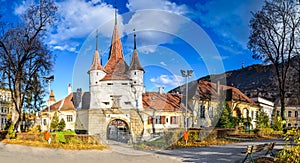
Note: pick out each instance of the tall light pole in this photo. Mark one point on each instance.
(49, 79)
(186, 74)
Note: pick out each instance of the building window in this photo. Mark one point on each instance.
(252, 114)
(127, 103)
(174, 120)
(246, 113)
(289, 125)
(69, 118)
(296, 113)
(202, 111)
(106, 103)
(124, 83)
(256, 114)
(157, 120)
(109, 83)
(289, 113)
(45, 122)
(296, 124)
(277, 112)
(150, 120)
(211, 112)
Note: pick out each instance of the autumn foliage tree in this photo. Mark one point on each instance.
(275, 39)
(24, 57)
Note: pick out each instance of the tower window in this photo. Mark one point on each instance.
(124, 83)
(127, 102)
(106, 103)
(109, 83)
(134, 72)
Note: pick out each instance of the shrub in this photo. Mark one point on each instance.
(11, 133)
(265, 131)
(54, 122)
(277, 124)
(291, 154)
(61, 125)
(262, 120)
(35, 129)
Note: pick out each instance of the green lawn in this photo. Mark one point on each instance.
(60, 135)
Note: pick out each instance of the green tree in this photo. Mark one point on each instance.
(61, 125)
(277, 123)
(24, 57)
(262, 120)
(54, 122)
(274, 38)
(226, 120)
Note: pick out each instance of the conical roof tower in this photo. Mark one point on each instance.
(116, 57)
(135, 63)
(96, 60)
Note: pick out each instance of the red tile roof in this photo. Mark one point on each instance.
(96, 62)
(135, 63)
(208, 90)
(62, 105)
(162, 102)
(116, 52)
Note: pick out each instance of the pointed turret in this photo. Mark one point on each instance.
(116, 56)
(96, 71)
(135, 63)
(136, 71)
(96, 61)
(51, 99)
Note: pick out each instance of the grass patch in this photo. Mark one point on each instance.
(56, 145)
(60, 136)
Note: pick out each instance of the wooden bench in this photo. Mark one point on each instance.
(257, 148)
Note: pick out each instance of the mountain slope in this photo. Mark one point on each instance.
(260, 80)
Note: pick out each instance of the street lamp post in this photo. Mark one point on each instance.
(186, 74)
(49, 79)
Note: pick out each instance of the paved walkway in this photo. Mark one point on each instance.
(218, 153)
(123, 154)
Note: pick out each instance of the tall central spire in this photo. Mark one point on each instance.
(116, 53)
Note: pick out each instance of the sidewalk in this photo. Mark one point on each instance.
(218, 153)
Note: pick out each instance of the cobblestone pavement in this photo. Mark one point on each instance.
(123, 154)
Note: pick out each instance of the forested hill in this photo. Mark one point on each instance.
(260, 80)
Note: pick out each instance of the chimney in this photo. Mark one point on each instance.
(218, 87)
(69, 89)
(161, 90)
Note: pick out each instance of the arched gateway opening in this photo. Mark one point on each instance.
(118, 130)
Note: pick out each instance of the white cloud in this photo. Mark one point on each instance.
(163, 63)
(19, 10)
(218, 57)
(78, 18)
(147, 49)
(134, 5)
(167, 81)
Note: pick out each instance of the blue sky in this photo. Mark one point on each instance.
(208, 36)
